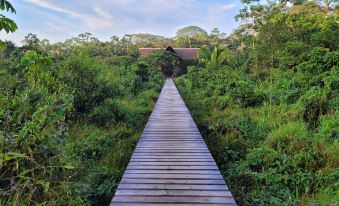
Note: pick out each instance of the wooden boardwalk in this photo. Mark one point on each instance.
(172, 164)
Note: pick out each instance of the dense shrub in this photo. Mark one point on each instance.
(69, 126)
(165, 61)
(269, 114)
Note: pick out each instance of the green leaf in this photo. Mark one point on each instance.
(69, 167)
(6, 5)
(7, 24)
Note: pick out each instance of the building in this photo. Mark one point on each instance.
(184, 53)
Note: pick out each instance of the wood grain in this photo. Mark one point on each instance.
(172, 164)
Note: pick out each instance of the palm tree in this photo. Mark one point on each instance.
(214, 58)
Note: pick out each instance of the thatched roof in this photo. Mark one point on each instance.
(184, 53)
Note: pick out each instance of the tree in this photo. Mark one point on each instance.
(215, 32)
(215, 36)
(36, 68)
(31, 42)
(5, 23)
(8, 48)
(164, 61)
(114, 44)
(128, 48)
(213, 59)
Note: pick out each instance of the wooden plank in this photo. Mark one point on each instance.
(172, 145)
(181, 137)
(172, 154)
(162, 140)
(171, 164)
(172, 160)
(177, 145)
(164, 150)
(174, 181)
(164, 192)
(173, 141)
(173, 167)
(131, 171)
(172, 199)
(174, 176)
(164, 204)
(171, 132)
(206, 156)
(182, 140)
(169, 148)
(173, 187)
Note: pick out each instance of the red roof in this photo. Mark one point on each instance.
(185, 53)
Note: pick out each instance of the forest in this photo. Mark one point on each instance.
(265, 99)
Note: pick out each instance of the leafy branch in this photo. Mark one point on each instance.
(5, 23)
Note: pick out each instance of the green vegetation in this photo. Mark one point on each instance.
(5, 23)
(267, 104)
(70, 117)
(71, 114)
(164, 61)
(265, 99)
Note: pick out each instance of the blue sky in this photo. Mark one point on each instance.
(58, 20)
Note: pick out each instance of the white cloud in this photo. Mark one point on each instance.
(102, 13)
(52, 27)
(53, 7)
(227, 7)
(64, 19)
(93, 22)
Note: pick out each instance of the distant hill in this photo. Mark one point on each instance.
(145, 38)
(190, 31)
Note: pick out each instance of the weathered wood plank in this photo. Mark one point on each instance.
(172, 160)
(164, 150)
(163, 192)
(164, 204)
(135, 171)
(206, 156)
(172, 199)
(176, 144)
(173, 181)
(172, 167)
(173, 186)
(171, 164)
(174, 176)
(182, 153)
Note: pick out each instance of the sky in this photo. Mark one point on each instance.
(58, 20)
